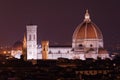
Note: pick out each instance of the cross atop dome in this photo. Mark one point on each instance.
(87, 17)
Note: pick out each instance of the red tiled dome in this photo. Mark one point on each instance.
(87, 30)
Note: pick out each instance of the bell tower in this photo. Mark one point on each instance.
(31, 42)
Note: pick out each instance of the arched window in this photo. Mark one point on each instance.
(29, 37)
(67, 51)
(50, 52)
(80, 45)
(91, 45)
(34, 37)
(59, 52)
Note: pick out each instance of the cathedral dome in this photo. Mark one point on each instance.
(87, 30)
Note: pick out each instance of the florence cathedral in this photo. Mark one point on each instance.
(87, 42)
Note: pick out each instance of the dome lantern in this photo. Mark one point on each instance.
(87, 17)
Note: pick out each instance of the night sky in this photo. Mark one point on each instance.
(57, 19)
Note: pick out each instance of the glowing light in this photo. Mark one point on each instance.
(4, 52)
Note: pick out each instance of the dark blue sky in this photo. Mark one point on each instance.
(57, 19)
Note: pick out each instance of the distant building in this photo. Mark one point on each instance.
(56, 51)
(31, 41)
(87, 39)
(17, 49)
(87, 42)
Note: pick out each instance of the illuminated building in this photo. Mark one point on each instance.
(87, 39)
(87, 42)
(87, 35)
(31, 41)
(17, 49)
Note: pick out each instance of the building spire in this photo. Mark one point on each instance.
(24, 47)
(24, 41)
(87, 17)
